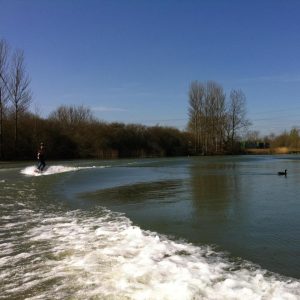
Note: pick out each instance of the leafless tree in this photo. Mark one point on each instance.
(207, 115)
(215, 117)
(214, 124)
(196, 113)
(253, 136)
(19, 89)
(72, 116)
(236, 116)
(3, 87)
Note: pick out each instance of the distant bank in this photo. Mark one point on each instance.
(276, 150)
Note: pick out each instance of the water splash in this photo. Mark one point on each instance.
(33, 171)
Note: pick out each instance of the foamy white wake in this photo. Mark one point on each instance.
(80, 256)
(32, 170)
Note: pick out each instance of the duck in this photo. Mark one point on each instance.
(282, 173)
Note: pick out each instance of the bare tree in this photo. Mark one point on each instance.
(236, 116)
(253, 136)
(196, 111)
(3, 88)
(72, 116)
(207, 116)
(215, 116)
(19, 89)
(213, 123)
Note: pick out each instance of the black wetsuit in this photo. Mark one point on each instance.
(41, 159)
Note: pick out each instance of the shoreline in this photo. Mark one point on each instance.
(272, 151)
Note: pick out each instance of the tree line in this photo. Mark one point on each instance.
(216, 124)
(289, 139)
(72, 132)
(69, 131)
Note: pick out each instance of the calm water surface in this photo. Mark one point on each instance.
(183, 228)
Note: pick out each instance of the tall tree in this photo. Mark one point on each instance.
(196, 111)
(215, 116)
(3, 88)
(236, 116)
(20, 91)
(214, 124)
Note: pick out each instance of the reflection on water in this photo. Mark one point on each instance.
(158, 205)
(136, 193)
(211, 192)
(242, 206)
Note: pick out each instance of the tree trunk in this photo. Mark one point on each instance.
(1, 125)
(16, 132)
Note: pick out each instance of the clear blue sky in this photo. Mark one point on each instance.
(133, 60)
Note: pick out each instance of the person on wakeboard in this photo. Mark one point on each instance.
(41, 157)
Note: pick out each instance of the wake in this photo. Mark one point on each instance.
(32, 170)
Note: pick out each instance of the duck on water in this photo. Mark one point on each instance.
(282, 173)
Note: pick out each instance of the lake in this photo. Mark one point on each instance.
(161, 228)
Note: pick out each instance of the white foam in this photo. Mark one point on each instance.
(107, 257)
(32, 170)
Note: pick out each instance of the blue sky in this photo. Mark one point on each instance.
(133, 60)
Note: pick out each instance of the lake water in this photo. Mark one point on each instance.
(181, 228)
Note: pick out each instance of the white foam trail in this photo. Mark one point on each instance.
(32, 170)
(108, 258)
